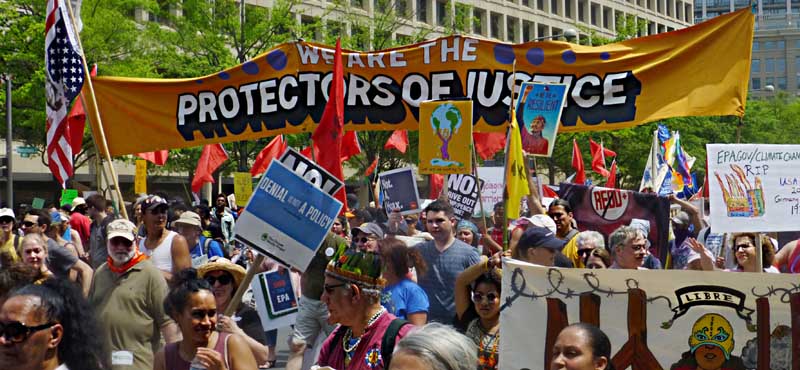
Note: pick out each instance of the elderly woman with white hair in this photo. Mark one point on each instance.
(434, 347)
(587, 241)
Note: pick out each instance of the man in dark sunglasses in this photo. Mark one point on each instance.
(127, 295)
(27, 339)
(367, 235)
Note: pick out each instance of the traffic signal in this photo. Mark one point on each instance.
(4, 167)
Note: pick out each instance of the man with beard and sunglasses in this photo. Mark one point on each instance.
(127, 295)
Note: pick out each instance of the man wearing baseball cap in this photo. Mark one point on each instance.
(367, 235)
(539, 245)
(127, 296)
(202, 248)
(167, 249)
(9, 240)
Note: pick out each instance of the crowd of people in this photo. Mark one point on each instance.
(82, 288)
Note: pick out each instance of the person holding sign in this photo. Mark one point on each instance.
(477, 298)
(367, 333)
(224, 277)
(192, 305)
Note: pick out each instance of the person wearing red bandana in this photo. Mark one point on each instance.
(127, 295)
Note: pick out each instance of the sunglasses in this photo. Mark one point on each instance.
(28, 224)
(583, 252)
(223, 279)
(6, 221)
(366, 239)
(478, 297)
(202, 314)
(742, 246)
(17, 332)
(329, 288)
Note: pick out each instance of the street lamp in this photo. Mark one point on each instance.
(570, 34)
(769, 88)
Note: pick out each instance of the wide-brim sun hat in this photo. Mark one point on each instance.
(223, 264)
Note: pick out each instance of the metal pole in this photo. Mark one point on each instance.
(9, 147)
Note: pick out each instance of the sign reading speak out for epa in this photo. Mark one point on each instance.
(287, 217)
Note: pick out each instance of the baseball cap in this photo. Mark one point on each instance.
(55, 218)
(540, 221)
(189, 218)
(370, 228)
(7, 212)
(681, 219)
(77, 202)
(122, 228)
(153, 201)
(536, 236)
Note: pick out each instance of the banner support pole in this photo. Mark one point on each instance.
(478, 184)
(96, 113)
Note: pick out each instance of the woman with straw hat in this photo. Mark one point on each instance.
(225, 277)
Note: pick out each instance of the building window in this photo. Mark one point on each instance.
(357, 4)
(769, 45)
(478, 19)
(540, 4)
(781, 83)
(422, 10)
(401, 8)
(755, 66)
(756, 84)
(511, 29)
(770, 65)
(769, 81)
(780, 65)
(441, 13)
(781, 45)
(497, 24)
(757, 45)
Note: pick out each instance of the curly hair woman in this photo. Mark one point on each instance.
(477, 299)
(50, 326)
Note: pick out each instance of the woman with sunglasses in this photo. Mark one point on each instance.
(192, 305)
(34, 254)
(224, 277)
(744, 248)
(598, 258)
(50, 326)
(477, 299)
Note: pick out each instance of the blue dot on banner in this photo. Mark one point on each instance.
(250, 68)
(199, 82)
(535, 56)
(504, 54)
(605, 55)
(277, 59)
(568, 56)
(224, 75)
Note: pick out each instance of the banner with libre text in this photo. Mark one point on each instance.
(702, 70)
(660, 319)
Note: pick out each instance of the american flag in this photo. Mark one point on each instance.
(64, 73)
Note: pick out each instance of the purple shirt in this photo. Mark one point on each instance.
(367, 355)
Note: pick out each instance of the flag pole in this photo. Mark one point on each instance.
(96, 114)
(478, 183)
(505, 169)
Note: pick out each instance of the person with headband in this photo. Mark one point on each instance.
(367, 333)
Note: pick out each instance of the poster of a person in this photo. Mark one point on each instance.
(538, 112)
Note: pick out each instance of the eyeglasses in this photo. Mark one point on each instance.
(28, 224)
(223, 279)
(17, 332)
(202, 314)
(637, 248)
(329, 288)
(478, 297)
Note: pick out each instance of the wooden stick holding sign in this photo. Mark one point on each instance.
(237, 297)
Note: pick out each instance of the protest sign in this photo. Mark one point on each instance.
(284, 90)
(538, 113)
(310, 171)
(492, 191)
(68, 195)
(753, 187)
(276, 301)
(445, 136)
(605, 209)
(657, 319)
(140, 178)
(37, 203)
(462, 190)
(242, 187)
(287, 217)
(399, 189)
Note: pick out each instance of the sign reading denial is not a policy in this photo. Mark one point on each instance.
(287, 217)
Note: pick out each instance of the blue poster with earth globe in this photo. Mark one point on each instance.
(445, 137)
(538, 114)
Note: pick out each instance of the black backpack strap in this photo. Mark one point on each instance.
(388, 340)
(206, 246)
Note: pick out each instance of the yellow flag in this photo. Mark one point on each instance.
(516, 179)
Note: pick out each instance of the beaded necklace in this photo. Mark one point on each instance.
(349, 344)
(487, 350)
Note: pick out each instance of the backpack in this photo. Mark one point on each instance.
(387, 342)
(206, 246)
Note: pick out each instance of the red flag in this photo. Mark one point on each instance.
(157, 158)
(76, 120)
(437, 184)
(598, 158)
(371, 167)
(329, 133)
(350, 145)
(275, 148)
(577, 164)
(612, 177)
(488, 143)
(398, 140)
(548, 192)
(212, 157)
